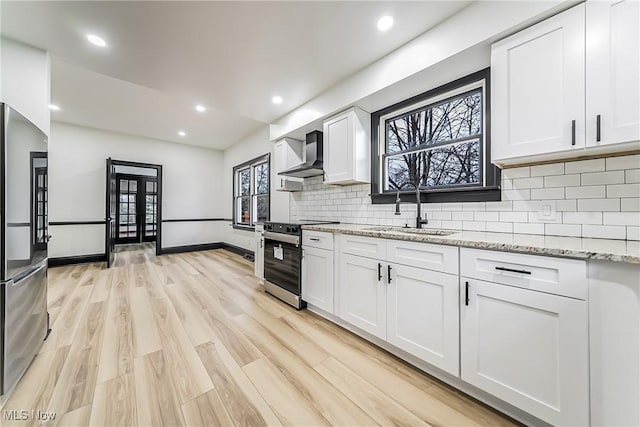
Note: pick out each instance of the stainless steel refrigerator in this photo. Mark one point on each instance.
(24, 320)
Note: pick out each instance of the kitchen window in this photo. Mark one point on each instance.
(251, 192)
(438, 141)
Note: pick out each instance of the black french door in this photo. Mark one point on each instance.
(111, 213)
(137, 213)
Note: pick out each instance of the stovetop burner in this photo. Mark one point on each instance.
(293, 227)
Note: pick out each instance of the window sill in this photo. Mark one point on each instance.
(480, 194)
(243, 227)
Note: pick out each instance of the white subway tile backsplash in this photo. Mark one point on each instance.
(596, 178)
(599, 205)
(597, 198)
(621, 218)
(525, 228)
(623, 162)
(562, 180)
(547, 193)
(582, 217)
(537, 182)
(588, 192)
(604, 231)
(514, 216)
(633, 233)
(500, 227)
(623, 190)
(571, 230)
(632, 176)
(516, 194)
(630, 205)
(581, 166)
(512, 173)
(545, 170)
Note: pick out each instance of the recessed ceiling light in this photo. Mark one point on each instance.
(277, 100)
(54, 107)
(96, 40)
(182, 133)
(200, 108)
(385, 23)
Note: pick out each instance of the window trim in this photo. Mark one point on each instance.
(250, 164)
(488, 190)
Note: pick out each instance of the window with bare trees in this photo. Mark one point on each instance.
(437, 142)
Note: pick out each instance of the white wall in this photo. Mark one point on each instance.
(192, 186)
(253, 146)
(25, 81)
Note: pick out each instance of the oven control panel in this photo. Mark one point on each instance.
(276, 227)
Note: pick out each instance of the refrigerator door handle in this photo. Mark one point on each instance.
(32, 273)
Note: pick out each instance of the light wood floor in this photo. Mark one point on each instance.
(191, 339)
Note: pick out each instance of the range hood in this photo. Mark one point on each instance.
(312, 165)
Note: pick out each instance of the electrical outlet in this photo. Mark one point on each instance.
(547, 210)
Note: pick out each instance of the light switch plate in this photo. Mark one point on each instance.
(547, 210)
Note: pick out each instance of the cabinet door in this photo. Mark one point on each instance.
(613, 70)
(422, 315)
(537, 88)
(527, 348)
(317, 278)
(362, 294)
(338, 149)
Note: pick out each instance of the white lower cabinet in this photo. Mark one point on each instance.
(422, 315)
(362, 294)
(412, 308)
(317, 278)
(527, 348)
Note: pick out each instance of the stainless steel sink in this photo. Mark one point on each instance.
(425, 231)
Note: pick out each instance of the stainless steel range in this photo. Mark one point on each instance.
(283, 260)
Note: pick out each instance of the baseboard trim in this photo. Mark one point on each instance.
(191, 248)
(77, 259)
(246, 254)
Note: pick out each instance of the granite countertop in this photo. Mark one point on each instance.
(566, 247)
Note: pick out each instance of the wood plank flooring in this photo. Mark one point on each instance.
(192, 339)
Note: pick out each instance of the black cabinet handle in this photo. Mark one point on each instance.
(573, 132)
(511, 270)
(388, 273)
(598, 128)
(466, 293)
(314, 239)
(379, 272)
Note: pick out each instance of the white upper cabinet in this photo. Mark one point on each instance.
(613, 72)
(347, 147)
(568, 86)
(537, 88)
(287, 153)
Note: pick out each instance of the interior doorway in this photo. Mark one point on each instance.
(133, 206)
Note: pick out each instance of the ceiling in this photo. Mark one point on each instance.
(164, 57)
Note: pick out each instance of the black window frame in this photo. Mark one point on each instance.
(487, 190)
(250, 165)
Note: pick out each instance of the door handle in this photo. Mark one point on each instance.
(379, 272)
(598, 128)
(32, 273)
(573, 132)
(388, 273)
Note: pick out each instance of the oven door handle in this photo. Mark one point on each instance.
(284, 238)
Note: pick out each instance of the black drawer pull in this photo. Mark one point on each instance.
(573, 132)
(314, 239)
(388, 274)
(511, 270)
(466, 293)
(598, 128)
(379, 272)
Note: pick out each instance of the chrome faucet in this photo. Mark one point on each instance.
(419, 220)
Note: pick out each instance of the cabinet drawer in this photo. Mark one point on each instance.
(317, 239)
(423, 255)
(363, 246)
(557, 276)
